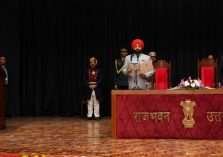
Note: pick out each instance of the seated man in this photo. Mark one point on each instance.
(136, 81)
(92, 91)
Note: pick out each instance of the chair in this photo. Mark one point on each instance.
(207, 71)
(162, 74)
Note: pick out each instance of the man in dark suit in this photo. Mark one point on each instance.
(2, 63)
(93, 89)
(120, 79)
(3, 76)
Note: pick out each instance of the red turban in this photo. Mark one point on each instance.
(137, 41)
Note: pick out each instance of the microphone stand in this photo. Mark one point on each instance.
(136, 72)
(136, 79)
(136, 69)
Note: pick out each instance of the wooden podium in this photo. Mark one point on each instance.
(158, 114)
(2, 99)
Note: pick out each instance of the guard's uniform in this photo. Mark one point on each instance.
(93, 77)
(121, 80)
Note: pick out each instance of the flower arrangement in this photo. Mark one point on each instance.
(191, 83)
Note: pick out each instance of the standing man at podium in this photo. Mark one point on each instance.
(132, 65)
(120, 79)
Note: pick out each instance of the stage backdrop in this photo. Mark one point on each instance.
(48, 44)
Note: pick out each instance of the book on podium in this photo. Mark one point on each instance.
(144, 67)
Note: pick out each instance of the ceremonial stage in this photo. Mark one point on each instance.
(73, 136)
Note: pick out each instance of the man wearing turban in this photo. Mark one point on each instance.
(137, 81)
(93, 91)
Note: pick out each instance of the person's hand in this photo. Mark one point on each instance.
(129, 70)
(142, 75)
(92, 87)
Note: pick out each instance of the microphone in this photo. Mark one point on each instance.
(131, 57)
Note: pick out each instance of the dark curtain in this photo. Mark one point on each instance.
(57, 37)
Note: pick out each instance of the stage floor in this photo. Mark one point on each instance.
(73, 136)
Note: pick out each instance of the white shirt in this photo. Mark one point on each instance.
(135, 81)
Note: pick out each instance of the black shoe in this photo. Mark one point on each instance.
(88, 118)
(97, 118)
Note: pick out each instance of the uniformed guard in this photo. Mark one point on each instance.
(152, 55)
(151, 79)
(120, 79)
(93, 92)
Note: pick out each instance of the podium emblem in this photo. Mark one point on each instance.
(188, 110)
